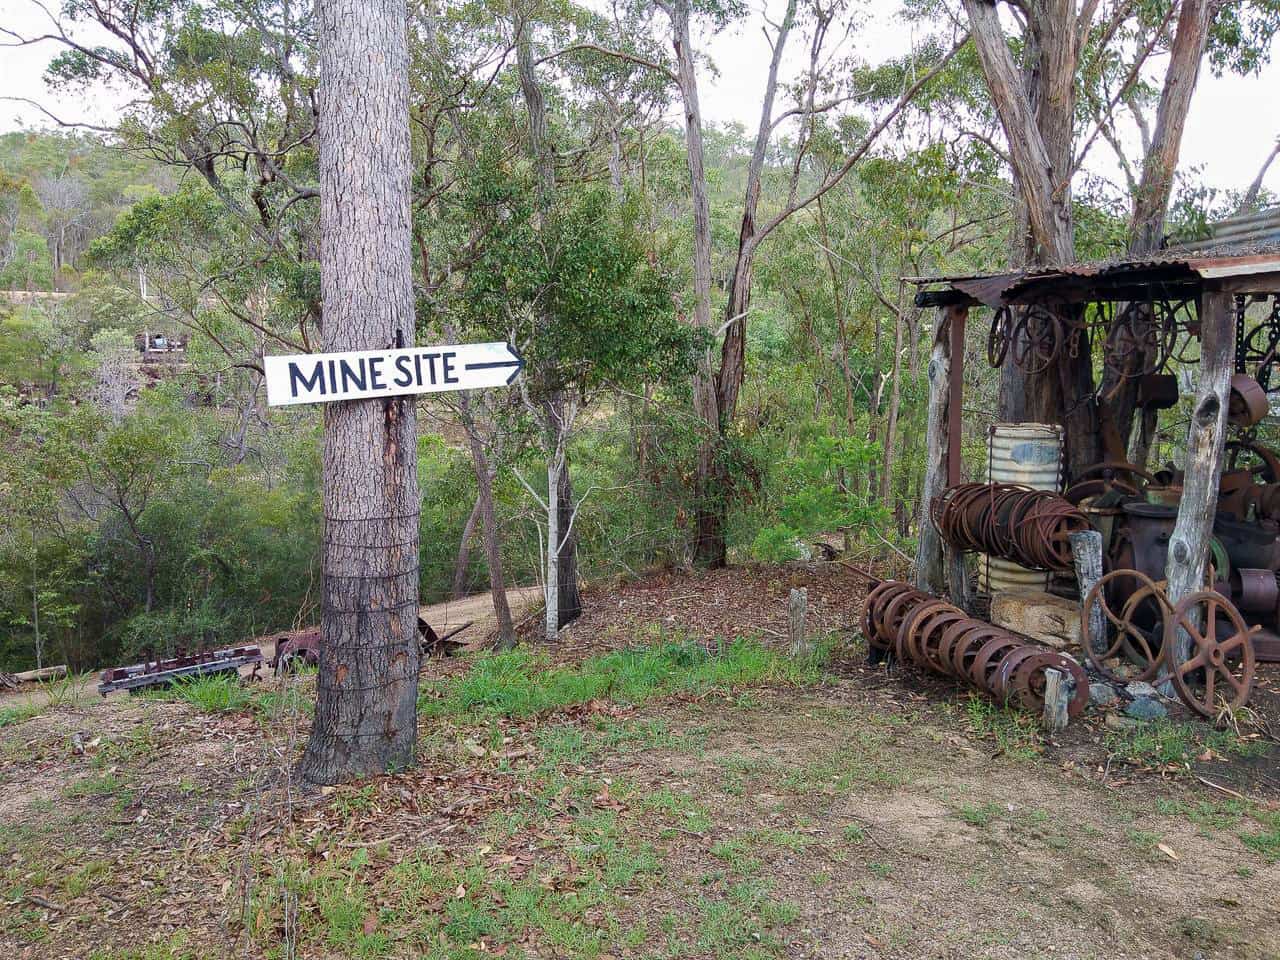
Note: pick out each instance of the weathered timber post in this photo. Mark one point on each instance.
(1056, 697)
(1189, 545)
(935, 563)
(1086, 551)
(797, 608)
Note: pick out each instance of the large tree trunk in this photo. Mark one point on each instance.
(1036, 107)
(566, 603)
(1150, 207)
(708, 543)
(717, 412)
(367, 692)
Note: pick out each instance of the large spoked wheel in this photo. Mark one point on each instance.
(1220, 668)
(1035, 341)
(1135, 626)
(998, 336)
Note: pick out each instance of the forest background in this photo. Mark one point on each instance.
(720, 369)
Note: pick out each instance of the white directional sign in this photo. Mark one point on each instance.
(361, 374)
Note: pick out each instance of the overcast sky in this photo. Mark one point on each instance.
(1233, 122)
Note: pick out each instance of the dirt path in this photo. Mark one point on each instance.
(443, 617)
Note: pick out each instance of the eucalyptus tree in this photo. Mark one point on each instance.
(828, 90)
(1058, 82)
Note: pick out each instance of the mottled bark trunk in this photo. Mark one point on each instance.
(367, 691)
(485, 474)
(569, 603)
(463, 561)
(708, 542)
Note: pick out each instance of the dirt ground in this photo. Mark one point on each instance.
(865, 815)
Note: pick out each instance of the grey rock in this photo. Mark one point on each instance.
(1140, 688)
(1102, 694)
(1146, 708)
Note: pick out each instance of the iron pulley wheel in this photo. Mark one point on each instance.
(1129, 626)
(1221, 660)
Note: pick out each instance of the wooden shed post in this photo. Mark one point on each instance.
(933, 559)
(1189, 545)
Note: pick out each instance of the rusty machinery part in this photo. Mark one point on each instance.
(1029, 527)
(1260, 344)
(1266, 470)
(925, 634)
(1254, 590)
(998, 336)
(987, 660)
(870, 605)
(1247, 403)
(1036, 340)
(1135, 615)
(1140, 340)
(894, 612)
(1221, 658)
(1105, 477)
(1027, 683)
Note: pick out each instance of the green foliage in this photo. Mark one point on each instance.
(820, 490)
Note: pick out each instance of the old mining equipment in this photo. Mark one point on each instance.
(1129, 626)
(934, 635)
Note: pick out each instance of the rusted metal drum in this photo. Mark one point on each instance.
(1028, 454)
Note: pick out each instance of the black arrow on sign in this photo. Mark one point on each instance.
(517, 362)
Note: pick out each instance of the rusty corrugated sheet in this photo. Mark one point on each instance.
(987, 290)
(1204, 260)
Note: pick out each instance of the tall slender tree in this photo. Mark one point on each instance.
(366, 705)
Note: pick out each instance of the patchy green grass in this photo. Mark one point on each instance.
(215, 693)
(227, 693)
(979, 815)
(1265, 842)
(523, 683)
(10, 716)
(1165, 742)
(1017, 734)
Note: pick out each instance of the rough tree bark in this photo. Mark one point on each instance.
(1189, 544)
(569, 603)
(367, 691)
(1150, 206)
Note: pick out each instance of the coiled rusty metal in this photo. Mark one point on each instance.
(1029, 527)
(938, 636)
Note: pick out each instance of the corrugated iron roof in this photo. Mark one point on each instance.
(1201, 260)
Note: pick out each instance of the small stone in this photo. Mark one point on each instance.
(1140, 688)
(1116, 722)
(1102, 694)
(1146, 708)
